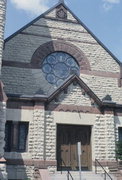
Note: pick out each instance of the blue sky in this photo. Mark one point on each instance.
(102, 17)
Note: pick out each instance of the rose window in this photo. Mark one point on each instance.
(58, 66)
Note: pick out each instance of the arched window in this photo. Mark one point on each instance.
(58, 66)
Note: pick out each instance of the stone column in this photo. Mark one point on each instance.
(100, 137)
(36, 139)
(3, 174)
(104, 137)
(2, 24)
(110, 135)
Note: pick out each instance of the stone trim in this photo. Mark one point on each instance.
(32, 162)
(65, 108)
(3, 97)
(73, 108)
(52, 46)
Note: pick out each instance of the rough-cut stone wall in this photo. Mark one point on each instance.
(50, 139)
(2, 23)
(73, 96)
(36, 133)
(102, 86)
(104, 137)
(2, 127)
(3, 174)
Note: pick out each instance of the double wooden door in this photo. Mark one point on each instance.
(67, 138)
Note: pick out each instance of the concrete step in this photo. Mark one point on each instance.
(85, 176)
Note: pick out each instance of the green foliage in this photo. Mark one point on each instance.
(119, 150)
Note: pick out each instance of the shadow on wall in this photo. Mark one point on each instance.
(26, 81)
(16, 137)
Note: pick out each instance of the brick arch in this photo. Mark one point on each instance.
(62, 46)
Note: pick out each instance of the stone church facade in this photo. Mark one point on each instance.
(63, 86)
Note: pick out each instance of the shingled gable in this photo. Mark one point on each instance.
(61, 3)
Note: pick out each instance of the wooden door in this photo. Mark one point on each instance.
(67, 138)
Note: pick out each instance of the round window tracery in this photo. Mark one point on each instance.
(58, 66)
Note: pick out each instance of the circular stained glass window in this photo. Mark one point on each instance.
(58, 66)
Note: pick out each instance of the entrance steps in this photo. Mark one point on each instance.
(86, 175)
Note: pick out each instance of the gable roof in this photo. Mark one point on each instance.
(78, 20)
(76, 79)
(33, 21)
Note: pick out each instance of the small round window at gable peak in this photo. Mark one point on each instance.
(58, 66)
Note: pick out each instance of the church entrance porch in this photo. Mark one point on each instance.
(67, 138)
